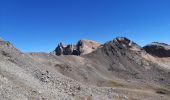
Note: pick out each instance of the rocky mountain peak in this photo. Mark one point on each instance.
(122, 40)
(125, 42)
(80, 48)
(61, 44)
(158, 49)
(4, 43)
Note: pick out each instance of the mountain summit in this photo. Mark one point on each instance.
(82, 47)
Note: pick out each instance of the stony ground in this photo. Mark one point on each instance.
(115, 71)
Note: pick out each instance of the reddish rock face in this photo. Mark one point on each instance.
(82, 47)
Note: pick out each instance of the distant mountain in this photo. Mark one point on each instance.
(117, 70)
(82, 47)
(158, 49)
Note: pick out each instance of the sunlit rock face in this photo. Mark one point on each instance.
(127, 43)
(82, 47)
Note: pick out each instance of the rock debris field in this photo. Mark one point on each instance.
(119, 69)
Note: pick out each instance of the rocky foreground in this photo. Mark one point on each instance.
(117, 70)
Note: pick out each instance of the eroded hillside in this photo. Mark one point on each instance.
(116, 70)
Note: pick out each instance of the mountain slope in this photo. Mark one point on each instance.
(124, 62)
(158, 53)
(107, 73)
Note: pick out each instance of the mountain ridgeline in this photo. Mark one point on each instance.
(116, 70)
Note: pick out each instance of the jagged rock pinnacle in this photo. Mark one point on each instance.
(82, 47)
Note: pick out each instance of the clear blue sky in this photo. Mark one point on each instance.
(39, 25)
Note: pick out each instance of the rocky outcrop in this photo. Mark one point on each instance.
(65, 50)
(158, 49)
(125, 42)
(82, 47)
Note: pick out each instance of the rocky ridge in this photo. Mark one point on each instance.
(158, 49)
(82, 47)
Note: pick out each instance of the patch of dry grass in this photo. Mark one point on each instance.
(115, 83)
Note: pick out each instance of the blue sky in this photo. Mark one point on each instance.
(39, 25)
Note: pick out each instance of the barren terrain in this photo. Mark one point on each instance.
(117, 70)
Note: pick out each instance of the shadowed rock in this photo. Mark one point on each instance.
(158, 49)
